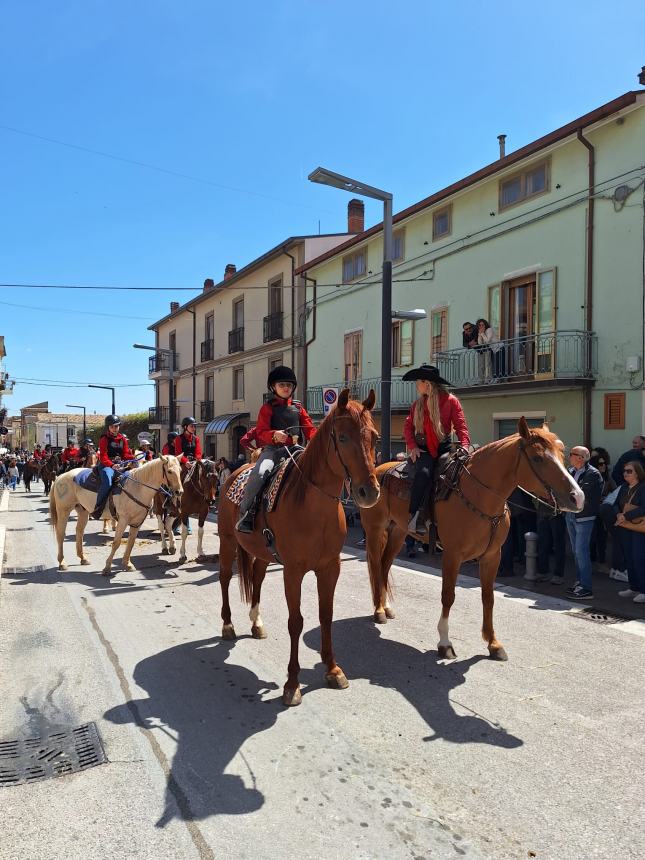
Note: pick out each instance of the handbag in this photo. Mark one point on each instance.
(637, 525)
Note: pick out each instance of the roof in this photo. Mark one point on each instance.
(254, 264)
(530, 149)
(223, 422)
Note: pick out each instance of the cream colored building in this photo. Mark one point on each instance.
(214, 352)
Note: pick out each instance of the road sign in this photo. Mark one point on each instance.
(330, 398)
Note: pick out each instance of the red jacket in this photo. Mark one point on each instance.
(264, 432)
(166, 450)
(70, 454)
(250, 440)
(39, 455)
(452, 418)
(191, 439)
(104, 458)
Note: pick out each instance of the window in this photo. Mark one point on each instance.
(353, 351)
(524, 185)
(441, 223)
(238, 383)
(398, 245)
(238, 313)
(275, 361)
(209, 327)
(402, 346)
(208, 389)
(438, 331)
(275, 296)
(355, 266)
(506, 424)
(615, 411)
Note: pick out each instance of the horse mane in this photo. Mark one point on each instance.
(538, 434)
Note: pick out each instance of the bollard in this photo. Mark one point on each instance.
(531, 557)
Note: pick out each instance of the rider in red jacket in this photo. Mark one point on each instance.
(187, 444)
(70, 455)
(113, 449)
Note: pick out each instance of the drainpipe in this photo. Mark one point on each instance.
(293, 307)
(586, 427)
(308, 343)
(190, 311)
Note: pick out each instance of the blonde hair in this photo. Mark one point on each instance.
(433, 410)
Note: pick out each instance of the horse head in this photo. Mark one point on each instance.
(172, 475)
(354, 438)
(207, 479)
(542, 470)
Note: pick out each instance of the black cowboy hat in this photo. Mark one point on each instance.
(425, 371)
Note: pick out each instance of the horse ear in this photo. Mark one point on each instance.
(369, 402)
(163, 458)
(523, 428)
(343, 400)
(545, 426)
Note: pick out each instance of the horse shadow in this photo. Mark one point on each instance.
(40, 575)
(210, 708)
(417, 676)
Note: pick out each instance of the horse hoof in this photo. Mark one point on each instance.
(164, 551)
(62, 566)
(85, 561)
(337, 680)
(108, 573)
(228, 632)
(389, 612)
(182, 559)
(380, 617)
(129, 566)
(447, 652)
(498, 654)
(258, 632)
(291, 698)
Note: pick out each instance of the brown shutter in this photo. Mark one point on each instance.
(615, 411)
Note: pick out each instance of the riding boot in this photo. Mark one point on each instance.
(246, 523)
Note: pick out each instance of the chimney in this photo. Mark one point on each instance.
(355, 216)
(209, 284)
(229, 271)
(174, 306)
(641, 77)
(502, 145)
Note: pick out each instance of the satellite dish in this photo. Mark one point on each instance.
(621, 193)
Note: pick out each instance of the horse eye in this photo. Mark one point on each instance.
(536, 459)
(343, 438)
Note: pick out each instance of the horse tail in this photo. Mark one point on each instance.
(245, 570)
(53, 515)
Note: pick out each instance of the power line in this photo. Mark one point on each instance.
(192, 289)
(70, 311)
(36, 380)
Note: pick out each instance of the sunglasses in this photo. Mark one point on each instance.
(628, 471)
(601, 463)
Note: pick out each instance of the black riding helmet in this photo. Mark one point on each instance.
(112, 419)
(281, 374)
(172, 436)
(188, 420)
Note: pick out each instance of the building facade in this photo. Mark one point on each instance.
(547, 245)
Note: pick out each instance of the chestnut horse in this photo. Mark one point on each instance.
(309, 530)
(49, 470)
(473, 521)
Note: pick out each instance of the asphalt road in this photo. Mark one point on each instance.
(541, 756)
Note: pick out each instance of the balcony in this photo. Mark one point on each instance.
(208, 350)
(206, 408)
(236, 340)
(162, 364)
(159, 415)
(273, 327)
(402, 393)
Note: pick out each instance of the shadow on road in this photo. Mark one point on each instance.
(427, 685)
(210, 708)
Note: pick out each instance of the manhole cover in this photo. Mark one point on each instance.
(31, 759)
(597, 615)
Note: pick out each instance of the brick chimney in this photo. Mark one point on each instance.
(174, 306)
(355, 216)
(209, 284)
(229, 271)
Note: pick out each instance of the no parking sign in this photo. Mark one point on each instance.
(330, 398)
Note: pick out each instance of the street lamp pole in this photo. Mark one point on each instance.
(337, 180)
(109, 388)
(74, 406)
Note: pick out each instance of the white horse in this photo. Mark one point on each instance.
(132, 505)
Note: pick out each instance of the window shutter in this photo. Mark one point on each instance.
(615, 411)
(405, 343)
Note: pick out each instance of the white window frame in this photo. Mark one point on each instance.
(507, 416)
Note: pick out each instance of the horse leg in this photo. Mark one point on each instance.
(449, 573)
(227, 551)
(61, 524)
(184, 535)
(395, 540)
(168, 521)
(200, 532)
(488, 567)
(326, 580)
(118, 534)
(132, 536)
(375, 541)
(81, 524)
(258, 630)
(162, 532)
(291, 694)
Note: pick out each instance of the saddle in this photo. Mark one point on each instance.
(271, 490)
(90, 479)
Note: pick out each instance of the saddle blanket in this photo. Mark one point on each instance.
(236, 490)
(270, 495)
(88, 479)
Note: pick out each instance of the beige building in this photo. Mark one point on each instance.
(37, 425)
(214, 352)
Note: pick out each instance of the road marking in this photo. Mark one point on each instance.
(4, 501)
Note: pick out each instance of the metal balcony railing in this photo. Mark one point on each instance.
(273, 327)
(163, 362)
(208, 350)
(206, 408)
(159, 415)
(236, 340)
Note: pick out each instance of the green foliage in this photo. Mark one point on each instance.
(131, 425)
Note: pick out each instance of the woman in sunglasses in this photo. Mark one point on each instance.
(631, 506)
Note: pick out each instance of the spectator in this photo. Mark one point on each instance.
(14, 475)
(580, 525)
(637, 454)
(4, 474)
(224, 471)
(631, 506)
(469, 335)
(597, 451)
(551, 532)
(598, 547)
(522, 521)
(492, 362)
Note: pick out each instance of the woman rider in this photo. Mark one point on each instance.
(113, 449)
(432, 418)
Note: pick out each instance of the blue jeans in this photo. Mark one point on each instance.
(14, 481)
(107, 474)
(580, 537)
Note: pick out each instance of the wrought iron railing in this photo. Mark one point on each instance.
(208, 350)
(236, 340)
(206, 410)
(273, 327)
(159, 415)
(163, 362)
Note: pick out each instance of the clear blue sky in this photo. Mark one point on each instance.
(248, 98)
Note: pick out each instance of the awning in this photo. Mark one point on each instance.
(223, 422)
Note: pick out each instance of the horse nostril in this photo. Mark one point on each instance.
(361, 492)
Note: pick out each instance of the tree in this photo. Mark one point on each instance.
(131, 426)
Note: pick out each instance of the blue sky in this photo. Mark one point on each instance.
(247, 99)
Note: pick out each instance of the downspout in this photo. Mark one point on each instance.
(293, 307)
(194, 360)
(308, 343)
(586, 426)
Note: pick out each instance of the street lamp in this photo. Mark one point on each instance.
(109, 388)
(74, 406)
(337, 180)
(416, 314)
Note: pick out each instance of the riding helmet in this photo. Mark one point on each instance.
(112, 419)
(88, 442)
(70, 441)
(188, 420)
(281, 374)
(172, 436)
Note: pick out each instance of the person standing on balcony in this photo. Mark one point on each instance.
(489, 348)
(431, 420)
(469, 335)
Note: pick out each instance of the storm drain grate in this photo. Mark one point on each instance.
(32, 759)
(597, 615)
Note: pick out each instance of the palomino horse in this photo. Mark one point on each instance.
(200, 486)
(473, 521)
(131, 504)
(308, 527)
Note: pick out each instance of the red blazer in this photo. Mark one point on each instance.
(452, 418)
(179, 451)
(39, 455)
(104, 460)
(166, 450)
(249, 441)
(263, 431)
(70, 454)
